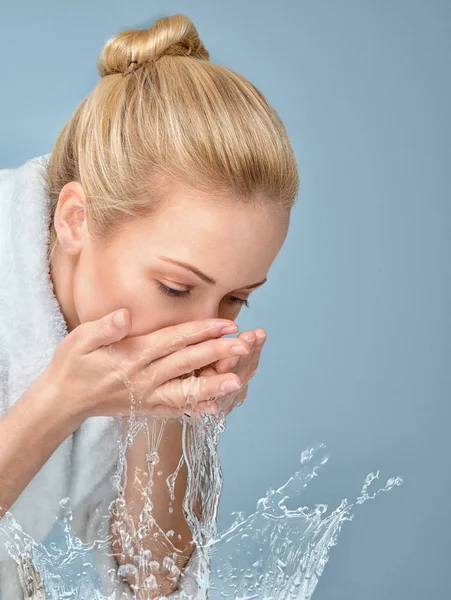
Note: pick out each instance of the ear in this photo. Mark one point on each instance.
(70, 217)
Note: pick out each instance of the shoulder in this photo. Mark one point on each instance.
(36, 163)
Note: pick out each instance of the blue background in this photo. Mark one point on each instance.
(357, 302)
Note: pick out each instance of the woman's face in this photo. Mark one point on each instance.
(230, 245)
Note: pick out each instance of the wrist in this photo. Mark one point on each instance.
(45, 397)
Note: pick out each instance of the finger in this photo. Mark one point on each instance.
(226, 365)
(191, 391)
(242, 365)
(233, 400)
(191, 358)
(91, 335)
(168, 340)
(248, 368)
(229, 364)
(210, 405)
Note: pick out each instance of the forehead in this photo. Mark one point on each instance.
(190, 215)
(219, 236)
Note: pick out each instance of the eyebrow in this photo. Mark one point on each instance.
(204, 277)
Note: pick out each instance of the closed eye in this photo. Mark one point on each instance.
(184, 294)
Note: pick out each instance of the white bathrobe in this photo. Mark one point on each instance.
(31, 326)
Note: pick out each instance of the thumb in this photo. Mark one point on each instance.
(102, 332)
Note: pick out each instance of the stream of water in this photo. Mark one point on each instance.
(275, 553)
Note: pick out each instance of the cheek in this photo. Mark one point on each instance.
(100, 288)
(229, 311)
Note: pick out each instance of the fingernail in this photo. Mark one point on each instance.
(234, 362)
(209, 406)
(229, 329)
(231, 385)
(238, 349)
(119, 319)
(213, 409)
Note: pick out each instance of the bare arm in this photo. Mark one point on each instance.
(30, 432)
(170, 451)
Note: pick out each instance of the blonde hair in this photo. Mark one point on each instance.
(162, 113)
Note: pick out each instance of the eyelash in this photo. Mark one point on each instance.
(179, 294)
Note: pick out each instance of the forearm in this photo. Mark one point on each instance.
(170, 453)
(30, 431)
(156, 540)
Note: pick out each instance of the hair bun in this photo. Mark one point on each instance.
(175, 35)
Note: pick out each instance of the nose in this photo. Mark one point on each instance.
(211, 311)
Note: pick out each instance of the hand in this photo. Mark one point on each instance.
(244, 366)
(94, 369)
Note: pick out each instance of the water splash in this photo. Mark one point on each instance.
(276, 553)
(54, 572)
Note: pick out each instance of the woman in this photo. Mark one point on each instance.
(166, 199)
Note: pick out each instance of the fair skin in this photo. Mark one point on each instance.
(232, 244)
